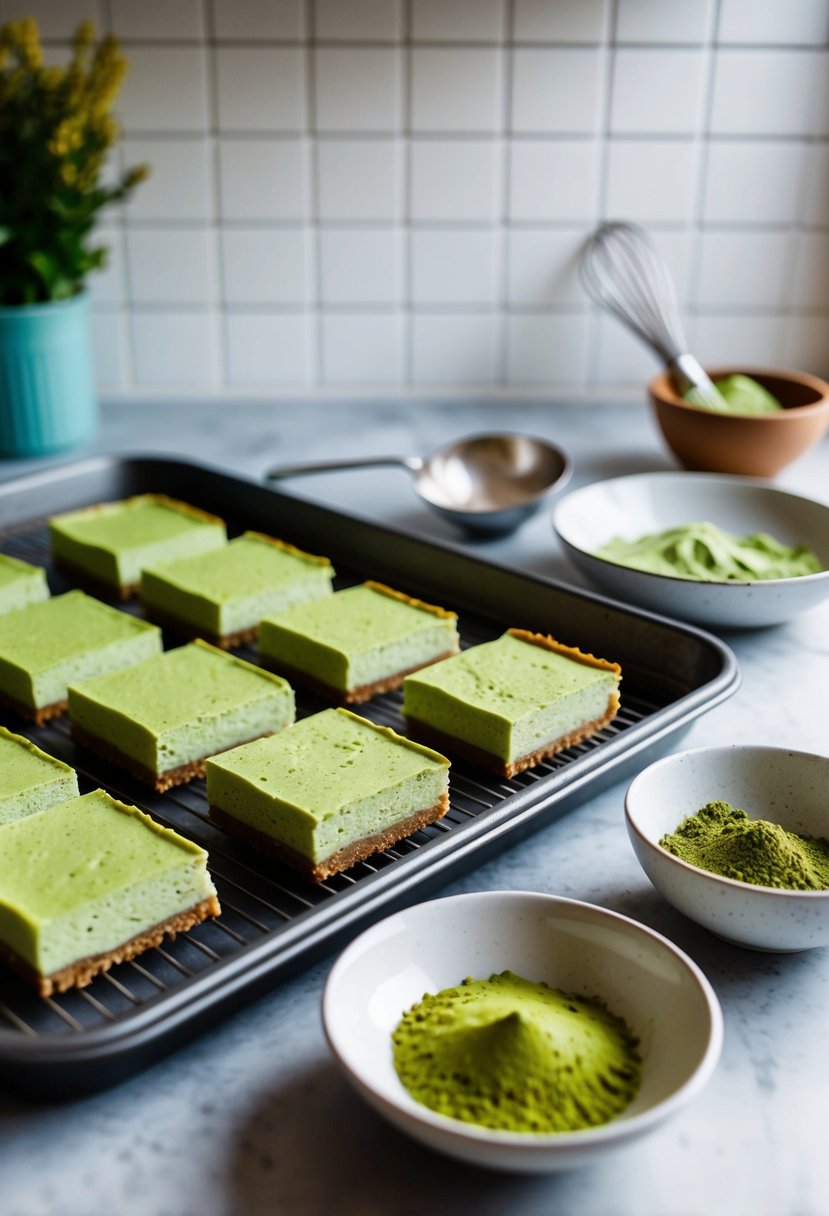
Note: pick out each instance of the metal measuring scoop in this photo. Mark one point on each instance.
(483, 483)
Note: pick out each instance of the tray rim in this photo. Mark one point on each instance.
(254, 968)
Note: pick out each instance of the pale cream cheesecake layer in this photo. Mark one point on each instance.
(509, 703)
(90, 882)
(328, 791)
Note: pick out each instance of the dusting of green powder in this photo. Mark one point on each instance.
(518, 1056)
(723, 840)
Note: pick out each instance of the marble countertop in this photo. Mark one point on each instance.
(253, 1118)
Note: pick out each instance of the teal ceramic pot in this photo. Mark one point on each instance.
(47, 395)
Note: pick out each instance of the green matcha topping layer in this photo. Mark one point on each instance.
(517, 1056)
(114, 541)
(178, 707)
(511, 697)
(47, 646)
(87, 875)
(20, 584)
(30, 780)
(359, 637)
(707, 553)
(229, 591)
(326, 782)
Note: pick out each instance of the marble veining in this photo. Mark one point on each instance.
(254, 1119)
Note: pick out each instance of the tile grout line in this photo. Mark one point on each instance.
(214, 150)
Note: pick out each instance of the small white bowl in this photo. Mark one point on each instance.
(786, 787)
(645, 503)
(659, 991)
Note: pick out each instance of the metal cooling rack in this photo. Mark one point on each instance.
(273, 920)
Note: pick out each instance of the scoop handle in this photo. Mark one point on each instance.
(412, 463)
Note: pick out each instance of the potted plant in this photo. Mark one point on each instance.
(56, 129)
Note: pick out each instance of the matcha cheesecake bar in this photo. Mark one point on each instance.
(509, 704)
(222, 596)
(30, 780)
(357, 643)
(47, 646)
(160, 719)
(92, 882)
(20, 584)
(328, 792)
(108, 545)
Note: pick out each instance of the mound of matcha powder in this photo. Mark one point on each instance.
(723, 840)
(515, 1055)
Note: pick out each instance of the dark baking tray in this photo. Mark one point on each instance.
(273, 921)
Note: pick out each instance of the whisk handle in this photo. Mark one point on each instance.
(687, 372)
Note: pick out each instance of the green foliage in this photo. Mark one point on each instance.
(56, 129)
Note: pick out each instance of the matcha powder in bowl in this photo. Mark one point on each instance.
(514, 1055)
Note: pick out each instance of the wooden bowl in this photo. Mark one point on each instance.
(755, 445)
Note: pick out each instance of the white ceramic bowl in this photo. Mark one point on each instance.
(578, 947)
(650, 502)
(787, 787)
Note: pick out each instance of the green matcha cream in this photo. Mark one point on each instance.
(736, 395)
(518, 1056)
(708, 553)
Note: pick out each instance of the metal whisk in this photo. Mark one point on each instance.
(622, 271)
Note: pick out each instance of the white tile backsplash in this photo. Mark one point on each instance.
(651, 180)
(663, 21)
(753, 183)
(560, 20)
(158, 19)
(366, 348)
(747, 269)
(55, 18)
(260, 88)
(268, 348)
(359, 179)
(266, 266)
(180, 185)
(451, 267)
(358, 89)
(263, 179)
(361, 266)
(557, 91)
(448, 348)
(358, 20)
(109, 350)
(455, 180)
(657, 91)
(542, 266)
(554, 181)
(176, 349)
(814, 197)
(811, 270)
(393, 192)
(622, 358)
(734, 339)
(165, 89)
(547, 348)
(459, 21)
(793, 23)
(250, 19)
(108, 286)
(456, 89)
(763, 92)
(172, 266)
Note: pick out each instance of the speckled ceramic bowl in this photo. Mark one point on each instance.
(786, 787)
(658, 990)
(645, 503)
